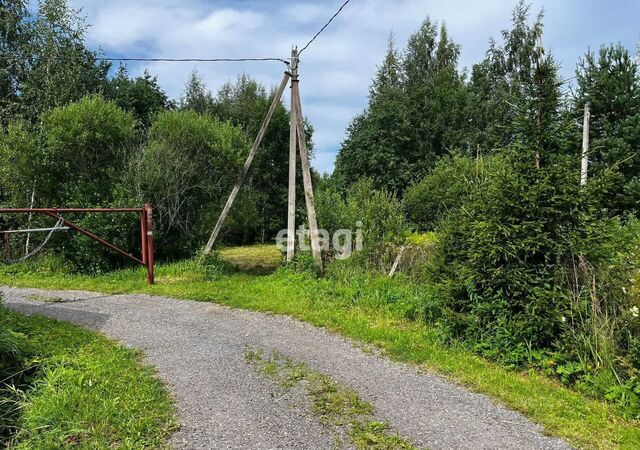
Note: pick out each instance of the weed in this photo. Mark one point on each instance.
(335, 405)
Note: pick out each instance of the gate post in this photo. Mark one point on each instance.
(148, 212)
(143, 235)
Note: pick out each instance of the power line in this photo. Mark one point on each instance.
(324, 27)
(192, 59)
(112, 59)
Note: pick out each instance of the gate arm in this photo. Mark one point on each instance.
(90, 235)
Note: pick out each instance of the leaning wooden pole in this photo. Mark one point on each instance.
(306, 177)
(247, 164)
(293, 141)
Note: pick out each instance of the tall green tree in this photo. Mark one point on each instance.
(514, 92)
(436, 94)
(142, 96)
(378, 140)
(196, 96)
(610, 82)
(59, 68)
(416, 110)
(14, 35)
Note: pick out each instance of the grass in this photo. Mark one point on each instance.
(258, 259)
(86, 391)
(371, 310)
(336, 406)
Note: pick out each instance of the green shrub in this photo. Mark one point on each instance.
(86, 146)
(374, 214)
(529, 274)
(502, 252)
(442, 191)
(187, 166)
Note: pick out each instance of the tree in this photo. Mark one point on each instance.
(517, 80)
(46, 64)
(244, 104)
(86, 145)
(377, 140)
(142, 96)
(187, 166)
(436, 94)
(196, 97)
(610, 82)
(415, 113)
(14, 33)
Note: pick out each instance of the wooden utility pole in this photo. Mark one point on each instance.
(293, 141)
(584, 169)
(247, 164)
(297, 139)
(306, 177)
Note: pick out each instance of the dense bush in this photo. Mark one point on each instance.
(528, 274)
(187, 166)
(376, 214)
(445, 188)
(86, 146)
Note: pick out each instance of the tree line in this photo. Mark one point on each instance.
(79, 133)
(525, 265)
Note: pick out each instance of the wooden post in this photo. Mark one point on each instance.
(396, 263)
(247, 164)
(293, 140)
(585, 145)
(149, 230)
(306, 176)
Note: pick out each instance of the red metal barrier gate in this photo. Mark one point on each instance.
(146, 229)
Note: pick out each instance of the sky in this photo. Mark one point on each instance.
(336, 70)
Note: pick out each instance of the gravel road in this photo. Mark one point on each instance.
(199, 351)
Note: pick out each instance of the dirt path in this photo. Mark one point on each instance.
(199, 349)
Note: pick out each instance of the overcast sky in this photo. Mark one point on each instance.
(337, 69)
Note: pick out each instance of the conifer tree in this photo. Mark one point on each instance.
(610, 82)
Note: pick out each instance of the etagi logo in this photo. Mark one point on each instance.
(341, 243)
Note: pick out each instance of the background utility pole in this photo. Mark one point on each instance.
(293, 141)
(585, 145)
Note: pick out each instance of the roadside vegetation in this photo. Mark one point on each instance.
(375, 310)
(65, 387)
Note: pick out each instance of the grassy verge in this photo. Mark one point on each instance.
(86, 391)
(336, 406)
(372, 310)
